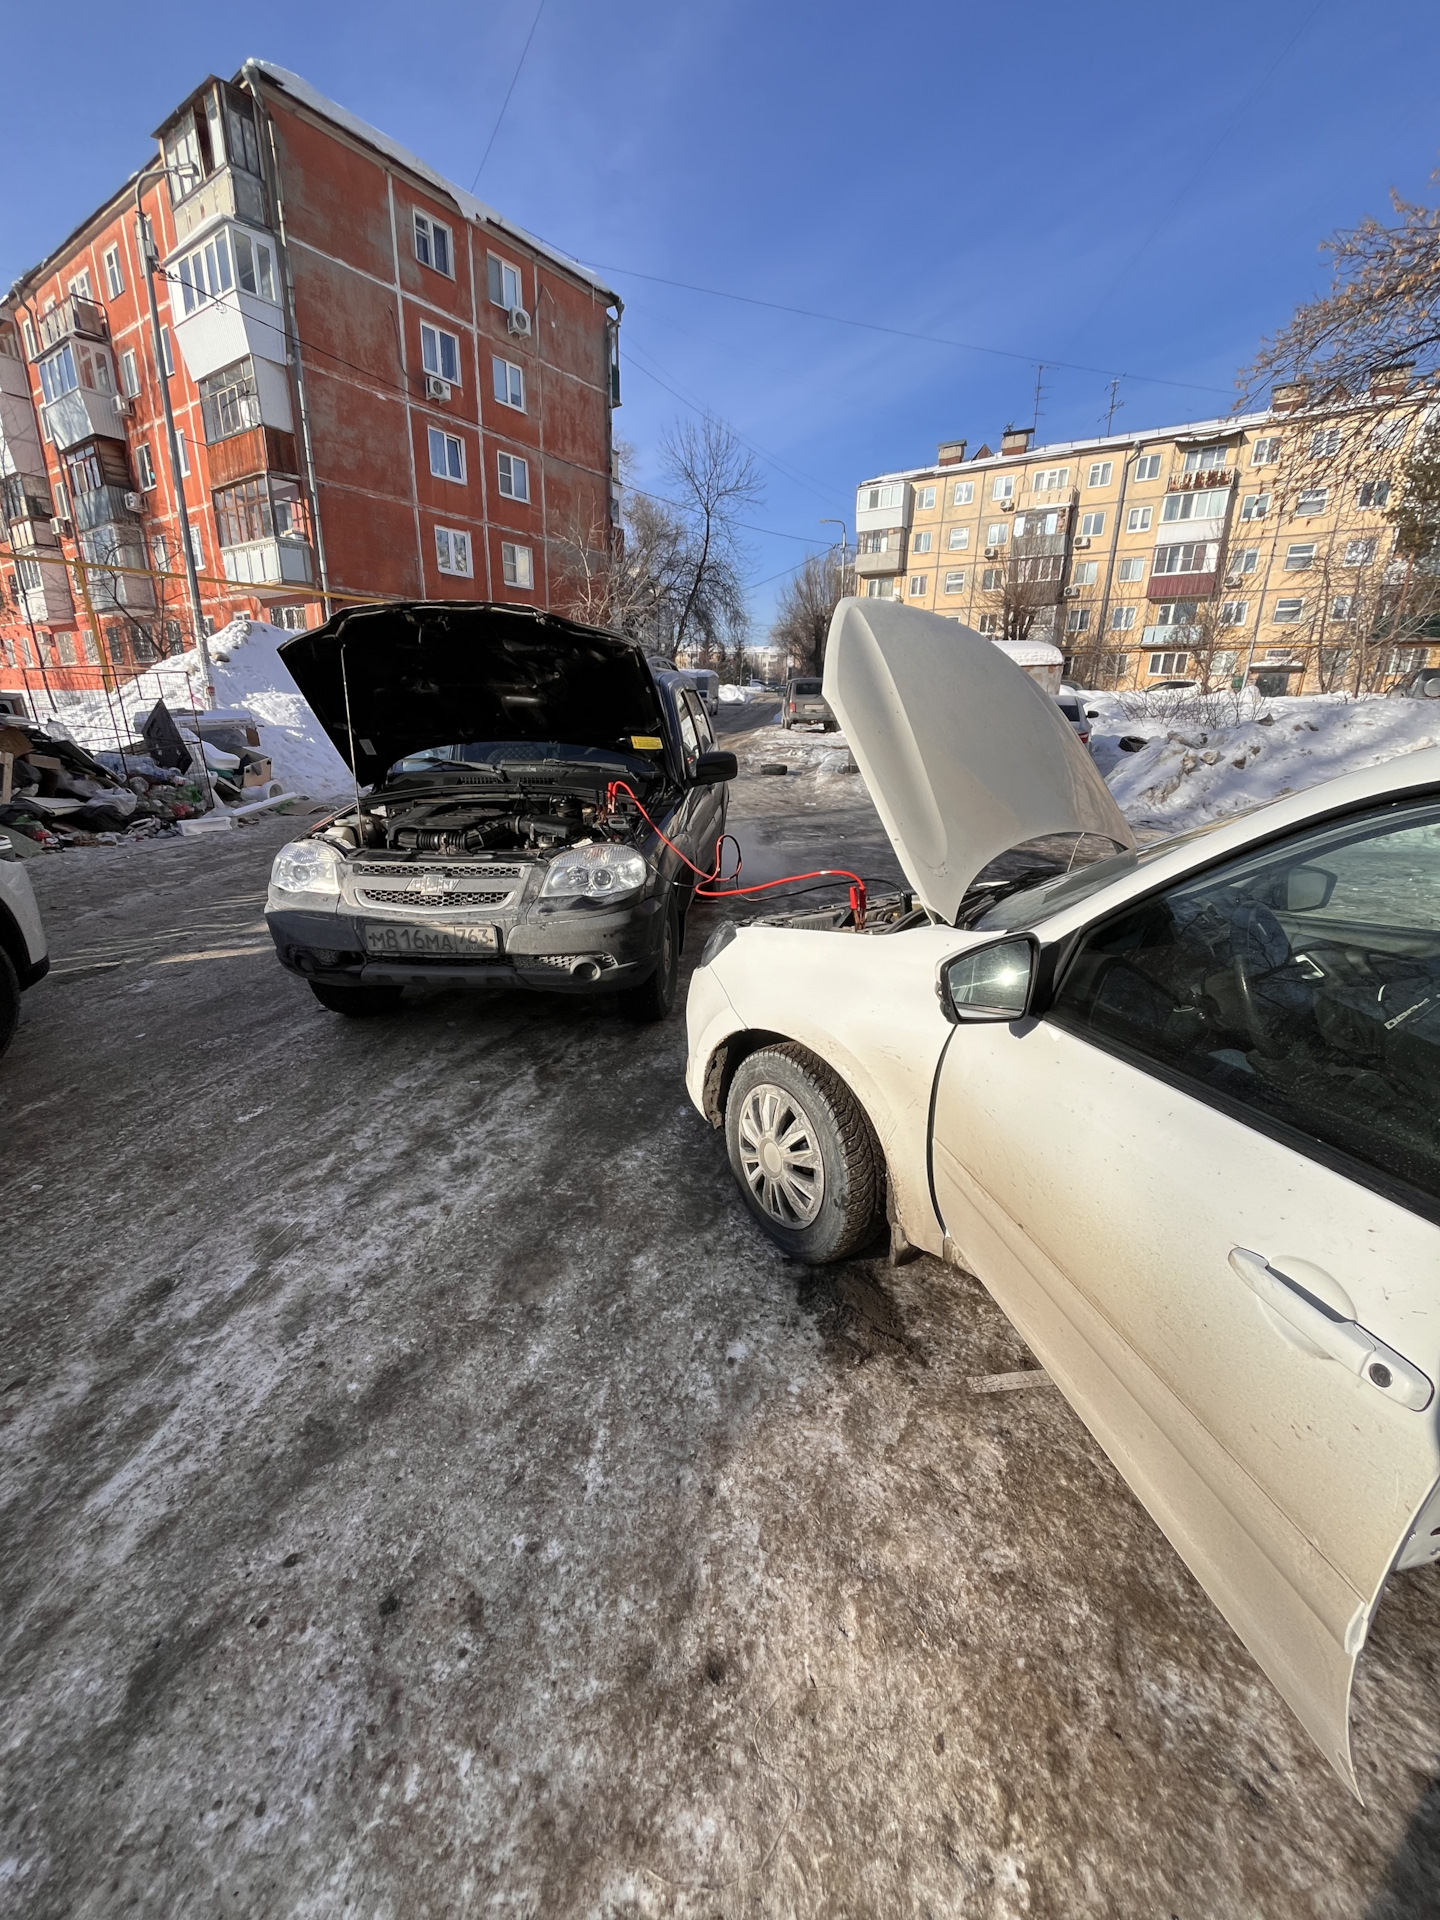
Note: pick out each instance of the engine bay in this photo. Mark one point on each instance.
(477, 825)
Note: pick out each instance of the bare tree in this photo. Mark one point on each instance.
(716, 480)
(1022, 588)
(807, 603)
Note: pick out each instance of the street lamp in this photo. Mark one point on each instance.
(149, 260)
(844, 550)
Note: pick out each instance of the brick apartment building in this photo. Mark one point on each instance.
(1257, 547)
(380, 387)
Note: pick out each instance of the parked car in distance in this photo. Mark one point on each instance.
(506, 755)
(1178, 1109)
(1423, 684)
(802, 703)
(1073, 709)
(24, 955)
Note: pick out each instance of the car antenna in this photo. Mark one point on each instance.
(350, 731)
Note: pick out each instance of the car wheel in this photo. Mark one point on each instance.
(359, 1003)
(9, 1000)
(803, 1155)
(654, 999)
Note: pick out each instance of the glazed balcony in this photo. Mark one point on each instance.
(881, 553)
(105, 507)
(73, 318)
(276, 562)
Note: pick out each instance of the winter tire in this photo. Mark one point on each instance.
(357, 1003)
(654, 999)
(803, 1155)
(9, 1000)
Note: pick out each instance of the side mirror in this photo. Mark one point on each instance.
(990, 983)
(713, 766)
(1092, 713)
(1306, 888)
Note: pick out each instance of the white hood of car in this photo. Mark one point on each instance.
(964, 754)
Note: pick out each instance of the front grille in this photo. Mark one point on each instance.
(563, 960)
(435, 902)
(401, 871)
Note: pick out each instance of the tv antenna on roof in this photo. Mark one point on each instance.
(1115, 404)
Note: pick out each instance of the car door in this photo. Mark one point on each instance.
(1205, 1185)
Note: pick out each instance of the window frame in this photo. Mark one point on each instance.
(1092, 525)
(515, 548)
(1139, 519)
(964, 494)
(110, 265)
(504, 457)
(435, 230)
(924, 498)
(957, 540)
(919, 586)
(496, 268)
(1102, 472)
(442, 337)
(1131, 567)
(497, 361)
(446, 566)
(436, 473)
(955, 580)
(1147, 467)
(144, 467)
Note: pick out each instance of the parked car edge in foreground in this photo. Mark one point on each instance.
(24, 956)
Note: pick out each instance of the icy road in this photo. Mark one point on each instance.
(425, 1494)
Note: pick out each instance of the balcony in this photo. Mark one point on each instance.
(32, 535)
(242, 455)
(262, 563)
(239, 326)
(1201, 482)
(1181, 586)
(229, 193)
(83, 414)
(105, 547)
(70, 317)
(45, 592)
(886, 556)
(103, 506)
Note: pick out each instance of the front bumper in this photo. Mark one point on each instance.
(594, 952)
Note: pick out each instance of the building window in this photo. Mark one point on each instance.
(1287, 612)
(877, 497)
(440, 353)
(129, 374)
(1047, 480)
(992, 579)
(515, 565)
(989, 623)
(1100, 472)
(254, 266)
(167, 358)
(1207, 505)
(206, 273)
(879, 589)
(1325, 442)
(1312, 501)
(1359, 553)
(1255, 506)
(1300, 556)
(59, 375)
(1086, 572)
(229, 402)
(27, 333)
(1033, 523)
(1003, 487)
(452, 552)
(1122, 619)
(1190, 556)
(432, 244)
(514, 476)
(507, 288)
(1132, 569)
(1265, 452)
(509, 384)
(259, 509)
(1092, 525)
(964, 493)
(1147, 467)
(919, 584)
(447, 455)
(1374, 493)
(1243, 560)
(997, 534)
(1205, 459)
(925, 497)
(144, 468)
(1168, 663)
(197, 538)
(922, 542)
(1175, 613)
(1138, 519)
(1234, 613)
(1077, 620)
(114, 278)
(955, 583)
(959, 538)
(293, 619)
(80, 285)
(1342, 607)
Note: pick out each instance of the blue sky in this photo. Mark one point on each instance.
(1125, 188)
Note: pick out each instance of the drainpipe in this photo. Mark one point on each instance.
(292, 331)
(145, 241)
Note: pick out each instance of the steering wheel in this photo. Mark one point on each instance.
(1259, 950)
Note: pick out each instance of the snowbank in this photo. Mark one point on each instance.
(247, 673)
(1187, 775)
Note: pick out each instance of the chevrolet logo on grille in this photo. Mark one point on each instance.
(436, 884)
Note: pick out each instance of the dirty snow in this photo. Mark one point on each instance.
(1193, 769)
(246, 673)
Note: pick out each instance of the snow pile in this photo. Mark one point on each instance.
(1187, 775)
(247, 674)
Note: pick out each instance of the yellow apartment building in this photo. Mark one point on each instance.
(1257, 548)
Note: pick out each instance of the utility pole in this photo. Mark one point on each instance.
(149, 261)
(845, 581)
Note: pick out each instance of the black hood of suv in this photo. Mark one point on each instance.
(429, 673)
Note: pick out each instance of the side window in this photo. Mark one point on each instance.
(1302, 983)
(689, 739)
(703, 730)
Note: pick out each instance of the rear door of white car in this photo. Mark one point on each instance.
(1205, 1185)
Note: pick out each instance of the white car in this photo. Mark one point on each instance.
(1179, 1109)
(24, 958)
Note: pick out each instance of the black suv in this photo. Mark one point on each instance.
(509, 759)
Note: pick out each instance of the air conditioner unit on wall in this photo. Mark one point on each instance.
(1072, 593)
(992, 553)
(124, 403)
(436, 388)
(1082, 541)
(135, 502)
(59, 524)
(518, 320)
(1006, 506)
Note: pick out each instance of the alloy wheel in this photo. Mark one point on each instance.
(780, 1156)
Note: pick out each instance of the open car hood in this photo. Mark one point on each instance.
(964, 754)
(429, 673)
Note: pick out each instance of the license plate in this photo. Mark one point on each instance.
(415, 943)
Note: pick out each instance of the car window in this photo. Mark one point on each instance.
(703, 731)
(1302, 983)
(1070, 708)
(805, 686)
(689, 739)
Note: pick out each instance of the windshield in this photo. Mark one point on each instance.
(557, 756)
(805, 686)
(1036, 903)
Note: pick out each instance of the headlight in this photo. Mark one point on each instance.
(601, 872)
(306, 866)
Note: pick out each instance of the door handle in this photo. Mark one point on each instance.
(1355, 1348)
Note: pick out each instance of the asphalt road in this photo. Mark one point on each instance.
(425, 1494)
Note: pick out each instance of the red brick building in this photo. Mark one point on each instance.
(380, 387)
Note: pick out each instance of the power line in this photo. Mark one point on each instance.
(506, 101)
(903, 333)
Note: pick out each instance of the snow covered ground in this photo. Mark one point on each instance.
(247, 673)
(1195, 768)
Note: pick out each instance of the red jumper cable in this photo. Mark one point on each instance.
(729, 890)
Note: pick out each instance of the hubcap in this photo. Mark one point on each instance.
(779, 1155)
